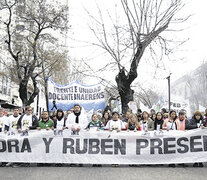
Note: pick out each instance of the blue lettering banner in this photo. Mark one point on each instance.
(65, 96)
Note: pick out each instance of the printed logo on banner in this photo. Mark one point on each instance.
(65, 96)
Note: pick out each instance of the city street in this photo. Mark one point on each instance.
(105, 172)
(103, 90)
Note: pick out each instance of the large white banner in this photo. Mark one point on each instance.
(65, 96)
(104, 147)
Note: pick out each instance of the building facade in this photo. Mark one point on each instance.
(192, 87)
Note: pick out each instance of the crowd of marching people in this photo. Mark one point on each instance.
(75, 120)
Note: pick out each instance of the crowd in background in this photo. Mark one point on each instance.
(76, 120)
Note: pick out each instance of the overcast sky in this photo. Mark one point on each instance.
(193, 52)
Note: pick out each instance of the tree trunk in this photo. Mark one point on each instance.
(45, 85)
(23, 92)
(35, 91)
(125, 91)
(124, 81)
(46, 95)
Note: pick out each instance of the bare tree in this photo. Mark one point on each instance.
(203, 83)
(146, 22)
(77, 70)
(196, 86)
(40, 20)
(54, 64)
(147, 96)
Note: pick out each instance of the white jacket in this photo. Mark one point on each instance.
(83, 121)
(115, 125)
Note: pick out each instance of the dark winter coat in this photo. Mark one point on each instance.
(34, 122)
(193, 123)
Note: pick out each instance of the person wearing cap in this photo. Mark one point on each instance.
(77, 120)
(115, 123)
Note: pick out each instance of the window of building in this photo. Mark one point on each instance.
(5, 85)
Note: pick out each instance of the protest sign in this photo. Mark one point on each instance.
(105, 147)
(65, 96)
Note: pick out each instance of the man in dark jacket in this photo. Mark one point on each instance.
(27, 121)
(197, 121)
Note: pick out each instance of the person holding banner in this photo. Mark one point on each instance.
(105, 118)
(197, 121)
(115, 123)
(27, 121)
(205, 117)
(77, 120)
(95, 123)
(11, 124)
(181, 121)
(133, 124)
(11, 127)
(158, 122)
(3, 119)
(146, 123)
(169, 124)
(45, 122)
(59, 124)
(181, 124)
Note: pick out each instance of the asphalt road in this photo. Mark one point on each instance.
(103, 173)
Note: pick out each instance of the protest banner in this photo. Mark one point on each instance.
(105, 147)
(65, 96)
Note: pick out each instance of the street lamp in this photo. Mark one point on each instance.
(168, 78)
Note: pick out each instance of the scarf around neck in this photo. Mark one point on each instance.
(77, 117)
(95, 122)
(180, 124)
